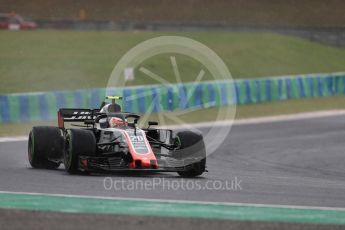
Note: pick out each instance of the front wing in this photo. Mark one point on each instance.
(114, 164)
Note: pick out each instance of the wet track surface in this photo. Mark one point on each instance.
(288, 163)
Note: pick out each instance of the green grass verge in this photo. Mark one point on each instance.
(243, 111)
(47, 60)
(156, 208)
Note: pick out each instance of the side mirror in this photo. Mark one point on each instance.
(152, 123)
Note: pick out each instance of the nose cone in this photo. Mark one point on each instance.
(146, 163)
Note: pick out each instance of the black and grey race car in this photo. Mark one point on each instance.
(98, 146)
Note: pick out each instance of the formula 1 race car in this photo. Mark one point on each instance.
(110, 141)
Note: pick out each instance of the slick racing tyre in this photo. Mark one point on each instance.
(45, 147)
(77, 142)
(191, 146)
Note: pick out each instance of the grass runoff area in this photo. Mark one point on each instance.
(46, 60)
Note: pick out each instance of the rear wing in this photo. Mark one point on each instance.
(75, 115)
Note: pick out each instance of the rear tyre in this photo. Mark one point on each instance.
(45, 143)
(77, 142)
(192, 146)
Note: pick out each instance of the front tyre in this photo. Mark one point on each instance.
(78, 142)
(192, 146)
(45, 144)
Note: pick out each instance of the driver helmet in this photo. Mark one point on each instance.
(105, 109)
(116, 122)
(111, 108)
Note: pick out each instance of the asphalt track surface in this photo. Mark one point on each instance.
(297, 162)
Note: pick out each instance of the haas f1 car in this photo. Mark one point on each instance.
(108, 140)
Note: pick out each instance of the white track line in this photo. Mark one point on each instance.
(12, 139)
(290, 117)
(180, 201)
(262, 120)
(247, 121)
